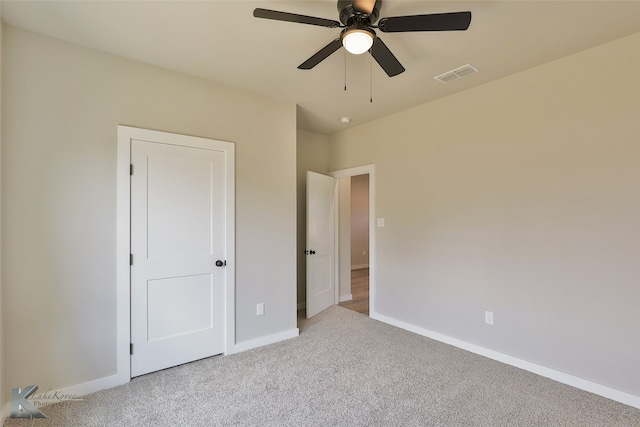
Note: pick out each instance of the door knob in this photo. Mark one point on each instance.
(220, 263)
(313, 252)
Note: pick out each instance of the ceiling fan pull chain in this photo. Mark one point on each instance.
(345, 70)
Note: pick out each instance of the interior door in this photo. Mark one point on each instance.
(320, 243)
(177, 238)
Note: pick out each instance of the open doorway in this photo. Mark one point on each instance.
(353, 219)
(359, 291)
(363, 294)
(341, 265)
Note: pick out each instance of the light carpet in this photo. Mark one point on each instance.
(344, 369)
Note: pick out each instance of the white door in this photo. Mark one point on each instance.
(320, 238)
(177, 235)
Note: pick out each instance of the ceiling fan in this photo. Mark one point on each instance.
(357, 17)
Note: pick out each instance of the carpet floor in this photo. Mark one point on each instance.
(344, 369)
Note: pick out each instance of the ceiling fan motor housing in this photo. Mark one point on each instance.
(349, 16)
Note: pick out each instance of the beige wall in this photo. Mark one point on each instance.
(312, 155)
(359, 221)
(62, 104)
(520, 197)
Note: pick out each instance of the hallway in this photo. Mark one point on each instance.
(359, 291)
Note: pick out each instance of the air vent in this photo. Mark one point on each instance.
(456, 74)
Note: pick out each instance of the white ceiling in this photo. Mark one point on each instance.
(222, 41)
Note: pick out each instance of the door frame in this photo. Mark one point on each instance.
(344, 173)
(123, 238)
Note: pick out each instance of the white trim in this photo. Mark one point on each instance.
(344, 298)
(123, 220)
(358, 170)
(259, 342)
(74, 390)
(230, 238)
(90, 386)
(123, 233)
(371, 171)
(115, 380)
(561, 377)
(359, 266)
(336, 241)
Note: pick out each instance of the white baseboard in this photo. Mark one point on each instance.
(91, 386)
(359, 266)
(347, 297)
(112, 381)
(67, 393)
(259, 342)
(561, 377)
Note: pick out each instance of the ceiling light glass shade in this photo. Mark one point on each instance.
(357, 41)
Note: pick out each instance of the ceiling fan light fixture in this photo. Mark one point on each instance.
(357, 40)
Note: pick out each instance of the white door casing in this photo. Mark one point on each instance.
(181, 216)
(320, 243)
(362, 170)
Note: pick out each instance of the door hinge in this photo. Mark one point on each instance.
(130, 259)
(131, 348)
(131, 169)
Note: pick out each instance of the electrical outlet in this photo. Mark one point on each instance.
(364, 253)
(488, 317)
(260, 309)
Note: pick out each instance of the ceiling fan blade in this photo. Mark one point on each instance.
(321, 55)
(364, 6)
(293, 17)
(385, 58)
(455, 21)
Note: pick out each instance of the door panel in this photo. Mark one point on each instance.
(177, 234)
(179, 305)
(179, 201)
(321, 271)
(320, 238)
